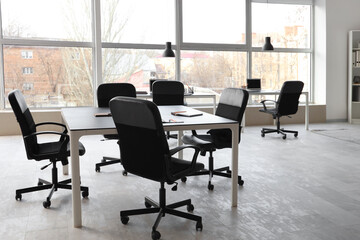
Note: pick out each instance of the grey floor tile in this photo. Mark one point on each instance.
(297, 189)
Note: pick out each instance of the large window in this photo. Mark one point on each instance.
(55, 78)
(136, 66)
(213, 69)
(214, 21)
(58, 51)
(288, 25)
(138, 21)
(46, 19)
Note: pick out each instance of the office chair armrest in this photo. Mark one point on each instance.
(63, 135)
(263, 103)
(52, 123)
(193, 161)
(182, 147)
(64, 139)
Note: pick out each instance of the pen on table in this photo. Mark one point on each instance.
(174, 121)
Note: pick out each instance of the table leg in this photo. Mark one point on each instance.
(75, 179)
(214, 104)
(234, 167)
(307, 111)
(180, 134)
(66, 170)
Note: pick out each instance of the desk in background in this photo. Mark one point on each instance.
(81, 121)
(277, 92)
(193, 95)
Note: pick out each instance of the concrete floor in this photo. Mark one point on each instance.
(299, 188)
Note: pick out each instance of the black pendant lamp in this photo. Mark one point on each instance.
(168, 51)
(267, 46)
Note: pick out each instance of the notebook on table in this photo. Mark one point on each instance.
(186, 113)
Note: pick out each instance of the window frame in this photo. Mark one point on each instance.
(96, 45)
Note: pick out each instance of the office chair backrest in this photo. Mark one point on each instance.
(107, 91)
(143, 145)
(168, 93)
(288, 100)
(25, 120)
(151, 82)
(232, 105)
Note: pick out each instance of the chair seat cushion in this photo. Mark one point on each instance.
(269, 110)
(178, 165)
(51, 149)
(204, 142)
(272, 111)
(111, 136)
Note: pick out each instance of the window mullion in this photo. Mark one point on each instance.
(97, 50)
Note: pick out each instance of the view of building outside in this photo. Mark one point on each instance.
(63, 76)
(58, 76)
(136, 66)
(213, 69)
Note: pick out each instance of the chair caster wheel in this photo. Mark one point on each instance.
(125, 220)
(47, 204)
(18, 197)
(295, 134)
(103, 160)
(240, 182)
(262, 134)
(228, 171)
(183, 179)
(97, 169)
(147, 205)
(210, 186)
(124, 173)
(284, 137)
(85, 194)
(199, 226)
(190, 208)
(155, 235)
(40, 183)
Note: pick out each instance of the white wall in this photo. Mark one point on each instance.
(341, 17)
(320, 52)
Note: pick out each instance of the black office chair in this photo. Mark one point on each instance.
(54, 151)
(105, 93)
(232, 105)
(287, 104)
(145, 152)
(168, 93)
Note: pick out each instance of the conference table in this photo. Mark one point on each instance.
(81, 121)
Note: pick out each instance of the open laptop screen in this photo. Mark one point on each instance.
(253, 83)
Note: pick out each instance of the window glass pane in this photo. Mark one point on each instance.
(47, 19)
(136, 66)
(213, 71)
(287, 25)
(138, 21)
(214, 21)
(53, 77)
(275, 68)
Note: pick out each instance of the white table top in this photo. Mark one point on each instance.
(83, 118)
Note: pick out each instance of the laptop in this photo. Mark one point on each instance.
(253, 83)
